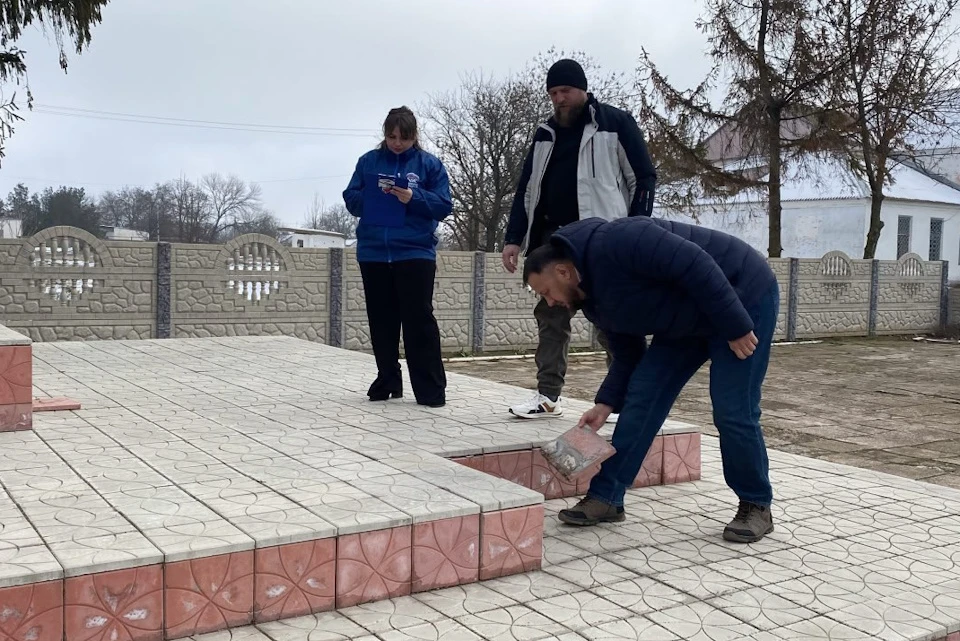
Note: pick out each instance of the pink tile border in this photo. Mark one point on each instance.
(511, 541)
(16, 374)
(33, 611)
(651, 472)
(208, 594)
(372, 566)
(294, 580)
(680, 464)
(681, 458)
(16, 417)
(56, 404)
(123, 604)
(473, 462)
(515, 466)
(548, 481)
(446, 553)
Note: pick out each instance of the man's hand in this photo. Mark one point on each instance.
(595, 417)
(745, 346)
(511, 254)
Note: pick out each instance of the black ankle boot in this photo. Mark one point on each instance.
(383, 389)
(382, 396)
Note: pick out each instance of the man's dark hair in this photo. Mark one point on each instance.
(544, 256)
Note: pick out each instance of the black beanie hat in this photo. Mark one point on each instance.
(568, 73)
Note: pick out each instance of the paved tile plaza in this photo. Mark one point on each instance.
(213, 483)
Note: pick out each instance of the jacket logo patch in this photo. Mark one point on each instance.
(412, 180)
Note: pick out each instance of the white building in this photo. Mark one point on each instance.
(9, 227)
(826, 207)
(316, 238)
(112, 232)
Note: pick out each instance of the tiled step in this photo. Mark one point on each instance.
(155, 595)
(492, 528)
(189, 504)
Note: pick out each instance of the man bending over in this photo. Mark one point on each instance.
(703, 295)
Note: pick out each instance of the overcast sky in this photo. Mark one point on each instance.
(296, 63)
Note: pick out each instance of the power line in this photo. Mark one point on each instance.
(265, 129)
(203, 122)
(290, 180)
(132, 184)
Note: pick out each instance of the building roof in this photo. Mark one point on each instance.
(306, 231)
(950, 113)
(824, 177)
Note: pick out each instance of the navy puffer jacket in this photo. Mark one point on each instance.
(648, 276)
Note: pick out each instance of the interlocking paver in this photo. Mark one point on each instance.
(191, 449)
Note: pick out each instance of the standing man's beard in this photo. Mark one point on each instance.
(572, 114)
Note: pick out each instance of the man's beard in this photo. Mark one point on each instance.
(571, 116)
(576, 300)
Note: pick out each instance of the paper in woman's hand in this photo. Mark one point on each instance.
(576, 451)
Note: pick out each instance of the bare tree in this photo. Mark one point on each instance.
(190, 211)
(66, 20)
(142, 209)
(333, 218)
(217, 208)
(482, 132)
(255, 221)
(899, 84)
(772, 58)
(230, 201)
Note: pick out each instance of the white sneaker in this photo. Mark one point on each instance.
(613, 418)
(538, 407)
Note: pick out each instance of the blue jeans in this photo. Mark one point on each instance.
(734, 390)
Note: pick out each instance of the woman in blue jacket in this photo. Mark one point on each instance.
(397, 252)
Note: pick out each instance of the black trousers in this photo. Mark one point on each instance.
(400, 296)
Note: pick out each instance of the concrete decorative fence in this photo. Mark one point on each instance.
(250, 286)
(953, 302)
(64, 284)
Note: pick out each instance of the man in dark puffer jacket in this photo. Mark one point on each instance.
(702, 295)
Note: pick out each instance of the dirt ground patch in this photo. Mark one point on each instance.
(891, 405)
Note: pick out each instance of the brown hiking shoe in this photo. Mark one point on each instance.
(590, 511)
(752, 523)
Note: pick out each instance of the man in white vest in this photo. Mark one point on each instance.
(588, 160)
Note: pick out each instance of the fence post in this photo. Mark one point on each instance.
(793, 299)
(874, 297)
(944, 295)
(335, 333)
(164, 251)
(478, 324)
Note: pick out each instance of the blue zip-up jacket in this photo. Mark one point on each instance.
(431, 203)
(646, 276)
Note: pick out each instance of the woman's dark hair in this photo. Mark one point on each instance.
(401, 118)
